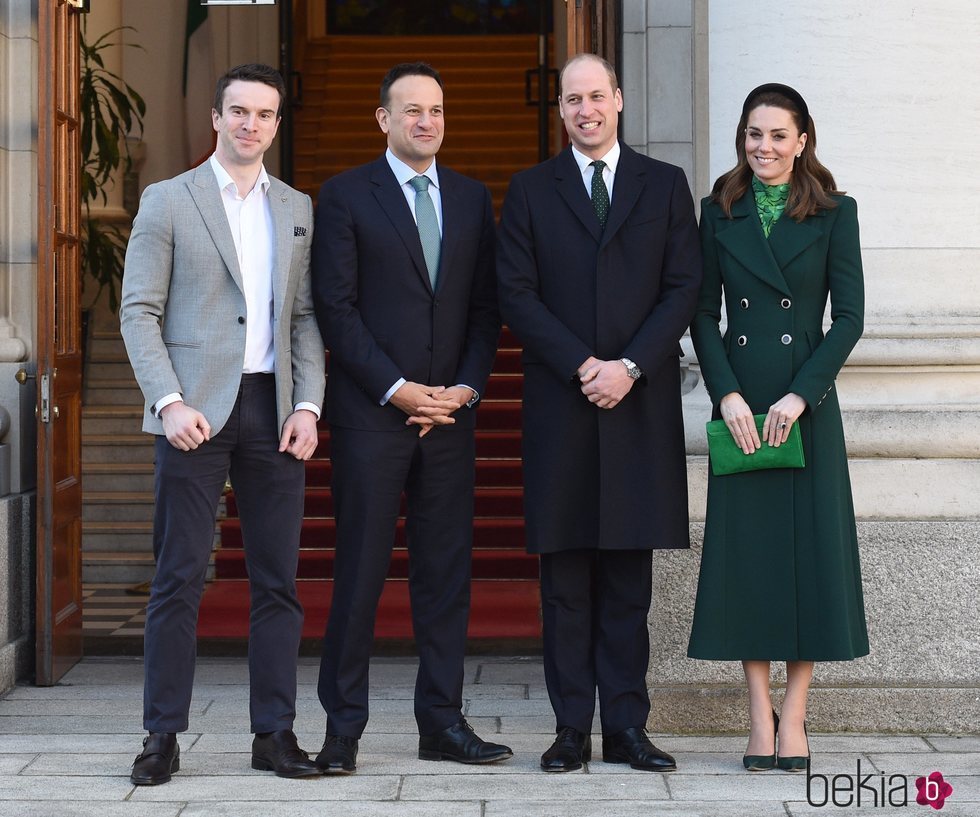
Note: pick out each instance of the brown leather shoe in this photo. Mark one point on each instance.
(460, 743)
(279, 752)
(634, 747)
(158, 760)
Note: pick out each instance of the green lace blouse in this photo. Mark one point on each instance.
(770, 201)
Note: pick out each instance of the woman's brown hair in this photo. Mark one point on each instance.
(812, 185)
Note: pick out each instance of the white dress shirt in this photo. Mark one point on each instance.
(608, 172)
(404, 175)
(250, 221)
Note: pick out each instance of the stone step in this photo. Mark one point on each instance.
(108, 346)
(128, 448)
(113, 371)
(117, 506)
(117, 476)
(117, 537)
(886, 431)
(101, 420)
(125, 568)
(886, 489)
(105, 567)
(112, 391)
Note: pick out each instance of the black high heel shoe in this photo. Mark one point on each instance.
(763, 763)
(796, 764)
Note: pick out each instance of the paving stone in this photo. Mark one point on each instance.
(528, 671)
(564, 788)
(947, 743)
(771, 786)
(632, 808)
(12, 764)
(495, 707)
(82, 743)
(260, 788)
(71, 725)
(949, 763)
(130, 709)
(950, 809)
(350, 809)
(63, 787)
(70, 808)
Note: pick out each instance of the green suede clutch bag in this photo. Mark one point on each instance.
(728, 458)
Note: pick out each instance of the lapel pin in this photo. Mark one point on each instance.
(299, 231)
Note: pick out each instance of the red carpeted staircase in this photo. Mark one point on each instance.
(505, 601)
(490, 134)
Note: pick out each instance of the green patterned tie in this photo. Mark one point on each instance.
(425, 218)
(600, 195)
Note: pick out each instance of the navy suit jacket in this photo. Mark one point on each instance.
(378, 314)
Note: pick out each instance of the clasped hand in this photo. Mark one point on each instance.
(775, 430)
(604, 382)
(430, 406)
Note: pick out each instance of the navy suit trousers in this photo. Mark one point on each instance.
(269, 492)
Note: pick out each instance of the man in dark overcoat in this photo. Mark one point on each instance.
(599, 267)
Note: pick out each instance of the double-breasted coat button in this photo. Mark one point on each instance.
(786, 340)
(241, 319)
(785, 303)
(742, 340)
(744, 303)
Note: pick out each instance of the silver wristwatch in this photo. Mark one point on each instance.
(631, 368)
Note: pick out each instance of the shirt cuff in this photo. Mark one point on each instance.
(163, 402)
(401, 381)
(309, 407)
(476, 395)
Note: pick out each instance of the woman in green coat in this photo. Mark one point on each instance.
(780, 577)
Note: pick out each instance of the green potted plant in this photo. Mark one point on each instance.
(110, 111)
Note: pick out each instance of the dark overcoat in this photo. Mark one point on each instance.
(780, 577)
(601, 478)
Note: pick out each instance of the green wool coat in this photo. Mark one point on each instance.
(780, 575)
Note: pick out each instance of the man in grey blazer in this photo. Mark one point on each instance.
(218, 322)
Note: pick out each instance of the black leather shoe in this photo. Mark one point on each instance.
(634, 747)
(568, 752)
(159, 759)
(462, 744)
(279, 752)
(338, 755)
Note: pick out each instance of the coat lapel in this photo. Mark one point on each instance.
(450, 213)
(282, 232)
(745, 241)
(392, 200)
(626, 190)
(568, 179)
(204, 190)
(789, 238)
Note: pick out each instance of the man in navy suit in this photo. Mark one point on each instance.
(405, 297)
(599, 266)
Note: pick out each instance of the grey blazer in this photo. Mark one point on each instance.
(183, 308)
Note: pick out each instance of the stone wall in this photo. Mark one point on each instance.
(18, 310)
(899, 143)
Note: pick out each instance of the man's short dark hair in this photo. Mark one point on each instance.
(406, 69)
(251, 72)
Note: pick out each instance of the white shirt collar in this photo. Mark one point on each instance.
(225, 179)
(611, 158)
(404, 173)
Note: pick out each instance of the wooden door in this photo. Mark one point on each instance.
(593, 28)
(59, 403)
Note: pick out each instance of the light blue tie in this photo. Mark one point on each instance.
(425, 218)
